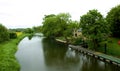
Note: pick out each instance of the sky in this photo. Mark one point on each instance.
(29, 13)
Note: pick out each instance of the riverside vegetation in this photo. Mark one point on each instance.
(8, 47)
(98, 33)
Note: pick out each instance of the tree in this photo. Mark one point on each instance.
(94, 28)
(12, 35)
(55, 25)
(37, 29)
(49, 28)
(64, 22)
(29, 30)
(113, 20)
(4, 34)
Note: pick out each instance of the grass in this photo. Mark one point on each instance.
(8, 49)
(113, 47)
(19, 33)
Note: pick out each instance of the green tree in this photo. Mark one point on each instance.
(37, 29)
(64, 22)
(29, 30)
(12, 35)
(49, 28)
(56, 25)
(94, 28)
(4, 34)
(113, 20)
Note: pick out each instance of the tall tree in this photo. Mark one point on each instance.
(94, 28)
(113, 19)
(55, 25)
(64, 22)
(4, 34)
(49, 28)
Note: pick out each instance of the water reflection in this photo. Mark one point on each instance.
(30, 36)
(30, 55)
(59, 57)
(91, 64)
(41, 54)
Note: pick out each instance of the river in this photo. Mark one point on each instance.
(41, 54)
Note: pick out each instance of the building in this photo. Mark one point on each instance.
(77, 32)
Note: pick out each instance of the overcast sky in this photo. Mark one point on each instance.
(28, 13)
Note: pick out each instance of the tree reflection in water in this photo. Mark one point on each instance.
(58, 57)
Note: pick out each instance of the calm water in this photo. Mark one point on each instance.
(40, 54)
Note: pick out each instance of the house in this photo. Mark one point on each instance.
(77, 32)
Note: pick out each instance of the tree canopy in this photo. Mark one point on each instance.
(55, 25)
(94, 27)
(113, 20)
(4, 34)
(37, 29)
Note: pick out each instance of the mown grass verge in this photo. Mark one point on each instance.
(113, 47)
(8, 49)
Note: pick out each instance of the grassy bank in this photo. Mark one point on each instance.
(8, 49)
(113, 47)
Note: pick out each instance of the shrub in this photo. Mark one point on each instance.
(13, 35)
(4, 34)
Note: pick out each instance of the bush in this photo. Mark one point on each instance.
(81, 42)
(78, 41)
(4, 34)
(13, 35)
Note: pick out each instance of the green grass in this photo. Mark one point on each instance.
(8, 49)
(113, 47)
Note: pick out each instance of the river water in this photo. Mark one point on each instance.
(41, 54)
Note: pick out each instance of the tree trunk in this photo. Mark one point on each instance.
(105, 48)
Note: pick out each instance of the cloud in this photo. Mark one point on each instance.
(28, 13)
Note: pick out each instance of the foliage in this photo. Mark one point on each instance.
(8, 49)
(29, 30)
(17, 30)
(56, 25)
(64, 23)
(4, 34)
(77, 41)
(94, 28)
(113, 19)
(30, 36)
(113, 48)
(37, 29)
(49, 25)
(13, 35)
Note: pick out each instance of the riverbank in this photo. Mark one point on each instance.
(113, 48)
(98, 55)
(107, 57)
(62, 41)
(8, 49)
